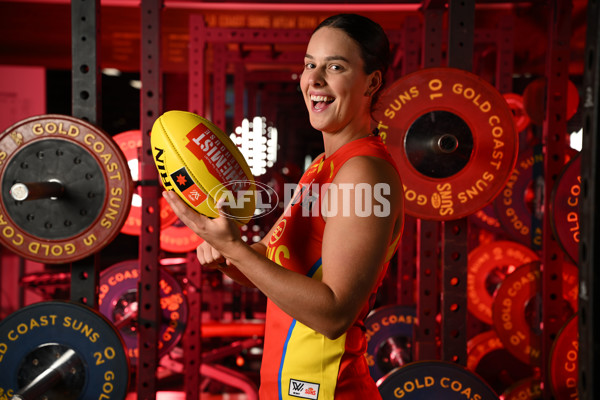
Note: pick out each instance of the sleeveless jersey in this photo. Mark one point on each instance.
(299, 362)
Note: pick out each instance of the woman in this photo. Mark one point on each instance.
(321, 264)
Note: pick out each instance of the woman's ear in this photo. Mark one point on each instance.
(375, 80)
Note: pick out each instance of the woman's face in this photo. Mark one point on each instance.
(334, 84)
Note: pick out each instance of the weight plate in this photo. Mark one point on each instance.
(486, 219)
(32, 336)
(526, 389)
(564, 208)
(453, 137)
(130, 143)
(515, 103)
(514, 204)
(389, 338)
(61, 227)
(564, 372)
(118, 301)
(516, 309)
(178, 238)
(426, 380)
(534, 100)
(487, 357)
(488, 264)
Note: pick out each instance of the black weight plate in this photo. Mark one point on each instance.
(430, 380)
(61, 324)
(80, 175)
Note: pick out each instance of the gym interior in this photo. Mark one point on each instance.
(491, 293)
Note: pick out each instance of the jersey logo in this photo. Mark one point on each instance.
(304, 390)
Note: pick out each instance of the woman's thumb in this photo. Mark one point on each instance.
(223, 208)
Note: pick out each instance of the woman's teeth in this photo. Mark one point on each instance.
(326, 99)
(320, 102)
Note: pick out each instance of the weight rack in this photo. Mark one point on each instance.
(452, 234)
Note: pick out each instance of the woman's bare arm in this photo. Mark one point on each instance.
(354, 248)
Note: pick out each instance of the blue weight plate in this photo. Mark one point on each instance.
(25, 335)
(427, 380)
(389, 332)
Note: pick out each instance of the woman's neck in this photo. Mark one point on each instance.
(334, 141)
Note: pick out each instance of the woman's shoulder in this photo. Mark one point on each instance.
(369, 168)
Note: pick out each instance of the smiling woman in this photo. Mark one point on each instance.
(320, 270)
(344, 67)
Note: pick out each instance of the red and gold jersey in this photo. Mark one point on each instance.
(299, 362)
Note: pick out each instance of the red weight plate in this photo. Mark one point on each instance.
(564, 362)
(488, 264)
(520, 117)
(487, 357)
(534, 100)
(486, 218)
(95, 196)
(514, 204)
(526, 389)
(454, 140)
(178, 238)
(564, 208)
(515, 314)
(130, 143)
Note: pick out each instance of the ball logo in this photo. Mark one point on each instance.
(237, 194)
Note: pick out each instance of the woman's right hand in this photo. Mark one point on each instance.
(209, 257)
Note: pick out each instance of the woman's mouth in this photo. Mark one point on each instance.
(320, 103)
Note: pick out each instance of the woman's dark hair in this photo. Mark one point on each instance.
(371, 38)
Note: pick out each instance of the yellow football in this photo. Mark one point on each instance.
(202, 165)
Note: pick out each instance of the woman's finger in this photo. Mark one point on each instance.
(189, 217)
(205, 257)
(216, 256)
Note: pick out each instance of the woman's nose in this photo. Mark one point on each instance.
(315, 77)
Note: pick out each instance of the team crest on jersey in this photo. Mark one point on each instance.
(304, 390)
(278, 231)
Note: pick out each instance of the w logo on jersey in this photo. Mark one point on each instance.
(304, 390)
